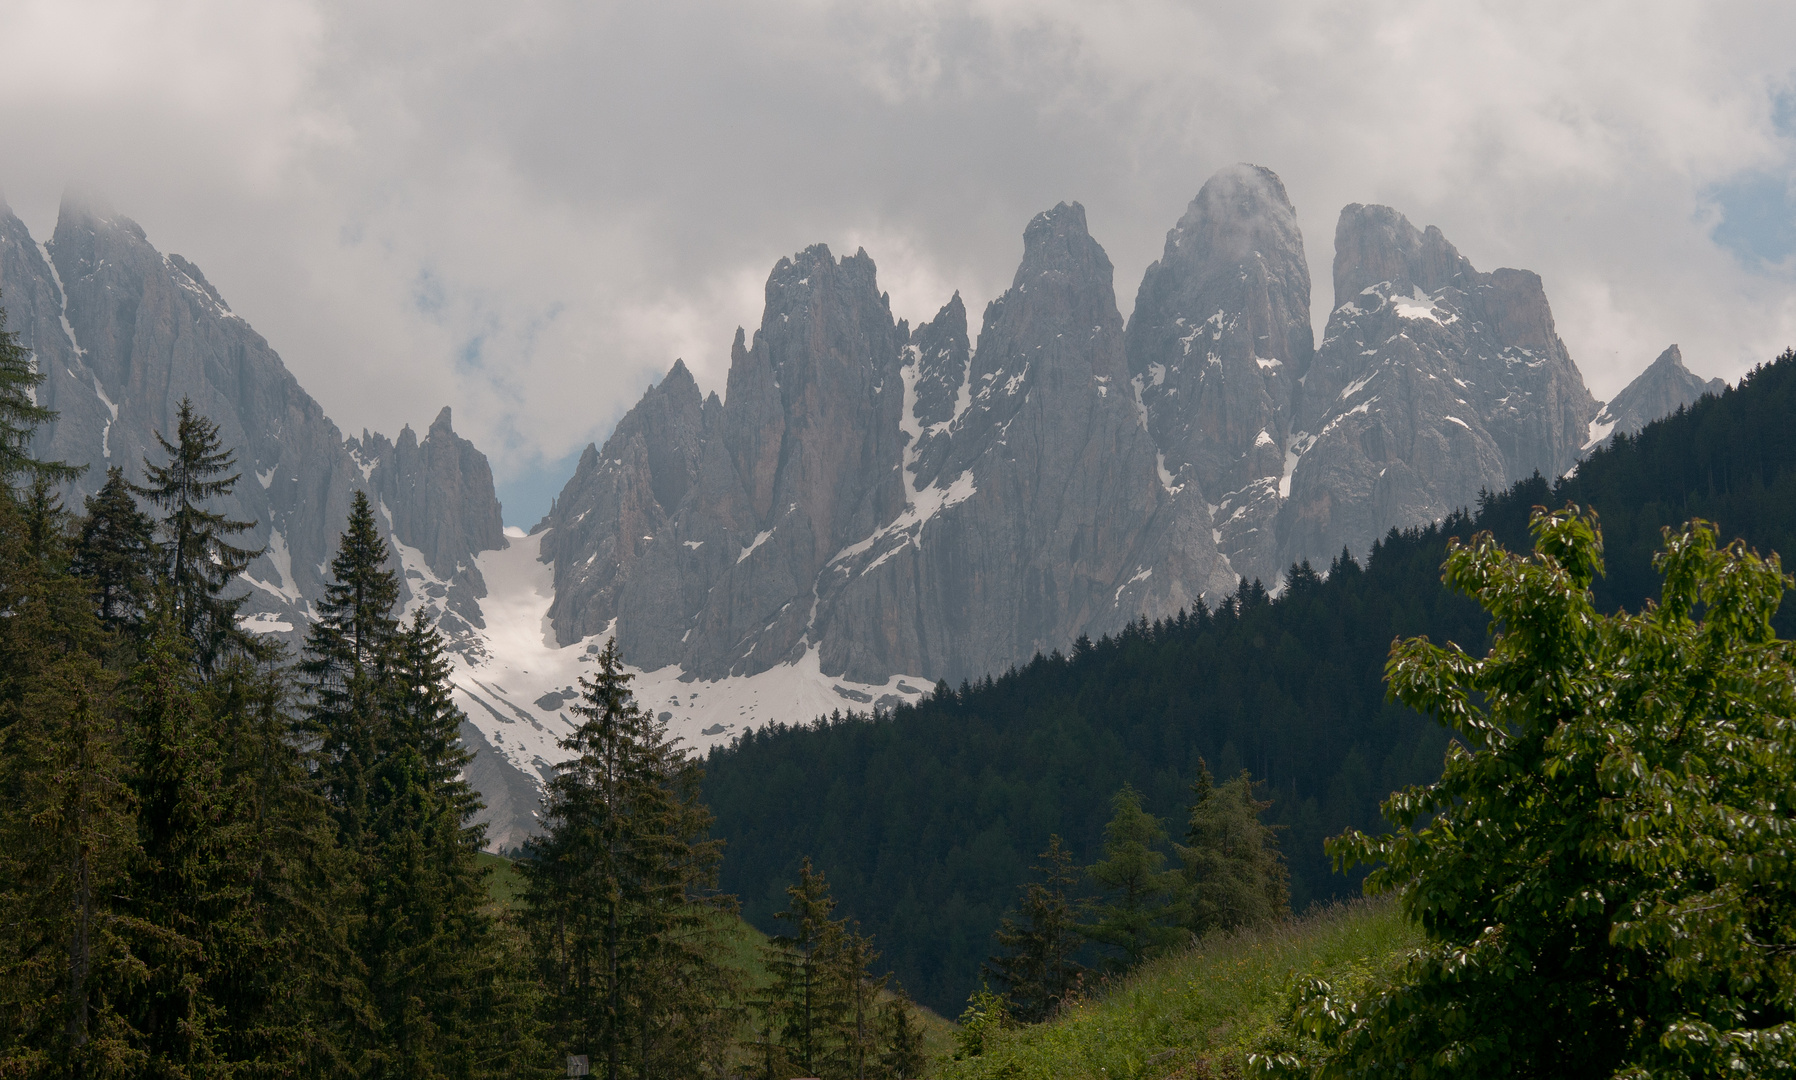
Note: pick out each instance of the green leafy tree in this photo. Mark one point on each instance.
(1038, 940)
(1133, 916)
(1602, 871)
(199, 561)
(1232, 874)
(116, 552)
(619, 894)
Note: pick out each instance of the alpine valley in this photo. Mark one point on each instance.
(870, 507)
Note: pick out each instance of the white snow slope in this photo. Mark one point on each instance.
(515, 683)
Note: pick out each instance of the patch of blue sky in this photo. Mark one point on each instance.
(525, 496)
(1758, 217)
(1757, 209)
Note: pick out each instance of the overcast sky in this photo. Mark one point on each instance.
(528, 209)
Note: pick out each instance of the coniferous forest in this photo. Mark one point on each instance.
(928, 819)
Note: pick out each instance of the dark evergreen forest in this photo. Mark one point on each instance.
(928, 818)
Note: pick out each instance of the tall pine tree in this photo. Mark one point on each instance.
(116, 551)
(1232, 874)
(431, 1001)
(67, 830)
(1133, 918)
(21, 415)
(350, 654)
(199, 559)
(619, 904)
(1036, 965)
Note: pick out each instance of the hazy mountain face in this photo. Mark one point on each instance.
(1433, 382)
(868, 500)
(903, 501)
(123, 333)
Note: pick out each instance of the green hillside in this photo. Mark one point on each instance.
(926, 820)
(1198, 1013)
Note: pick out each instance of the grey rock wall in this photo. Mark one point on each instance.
(1219, 340)
(1434, 382)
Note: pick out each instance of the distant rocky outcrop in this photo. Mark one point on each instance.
(439, 500)
(900, 501)
(1433, 382)
(1662, 389)
(122, 333)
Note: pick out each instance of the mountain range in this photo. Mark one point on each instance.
(870, 506)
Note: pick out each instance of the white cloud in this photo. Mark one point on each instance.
(573, 194)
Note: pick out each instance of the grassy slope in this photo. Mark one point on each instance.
(1195, 1014)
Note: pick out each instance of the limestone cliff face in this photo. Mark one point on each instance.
(879, 494)
(1433, 382)
(1662, 389)
(1219, 341)
(122, 333)
(899, 501)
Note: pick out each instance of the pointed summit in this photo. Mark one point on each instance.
(1433, 382)
(1662, 389)
(1219, 338)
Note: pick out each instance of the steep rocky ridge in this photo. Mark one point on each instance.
(438, 498)
(1662, 389)
(1432, 383)
(891, 498)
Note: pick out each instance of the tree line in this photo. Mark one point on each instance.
(218, 860)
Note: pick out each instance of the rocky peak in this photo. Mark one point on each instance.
(1219, 338)
(439, 494)
(938, 361)
(1433, 382)
(1662, 389)
(1064, 285)
(1376, 244)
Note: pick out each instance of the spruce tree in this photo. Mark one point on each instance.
(1038, 940)
(21, 415)
(199, 561)
(800, 1007)
(852, 1050)
(618, 901)
(181, 887)
(1232, 872)
(902, 1055)
(426, 939)
(116, 552)
(1133, 918)
(821, 1014)
(67, 829)
(347, 669)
